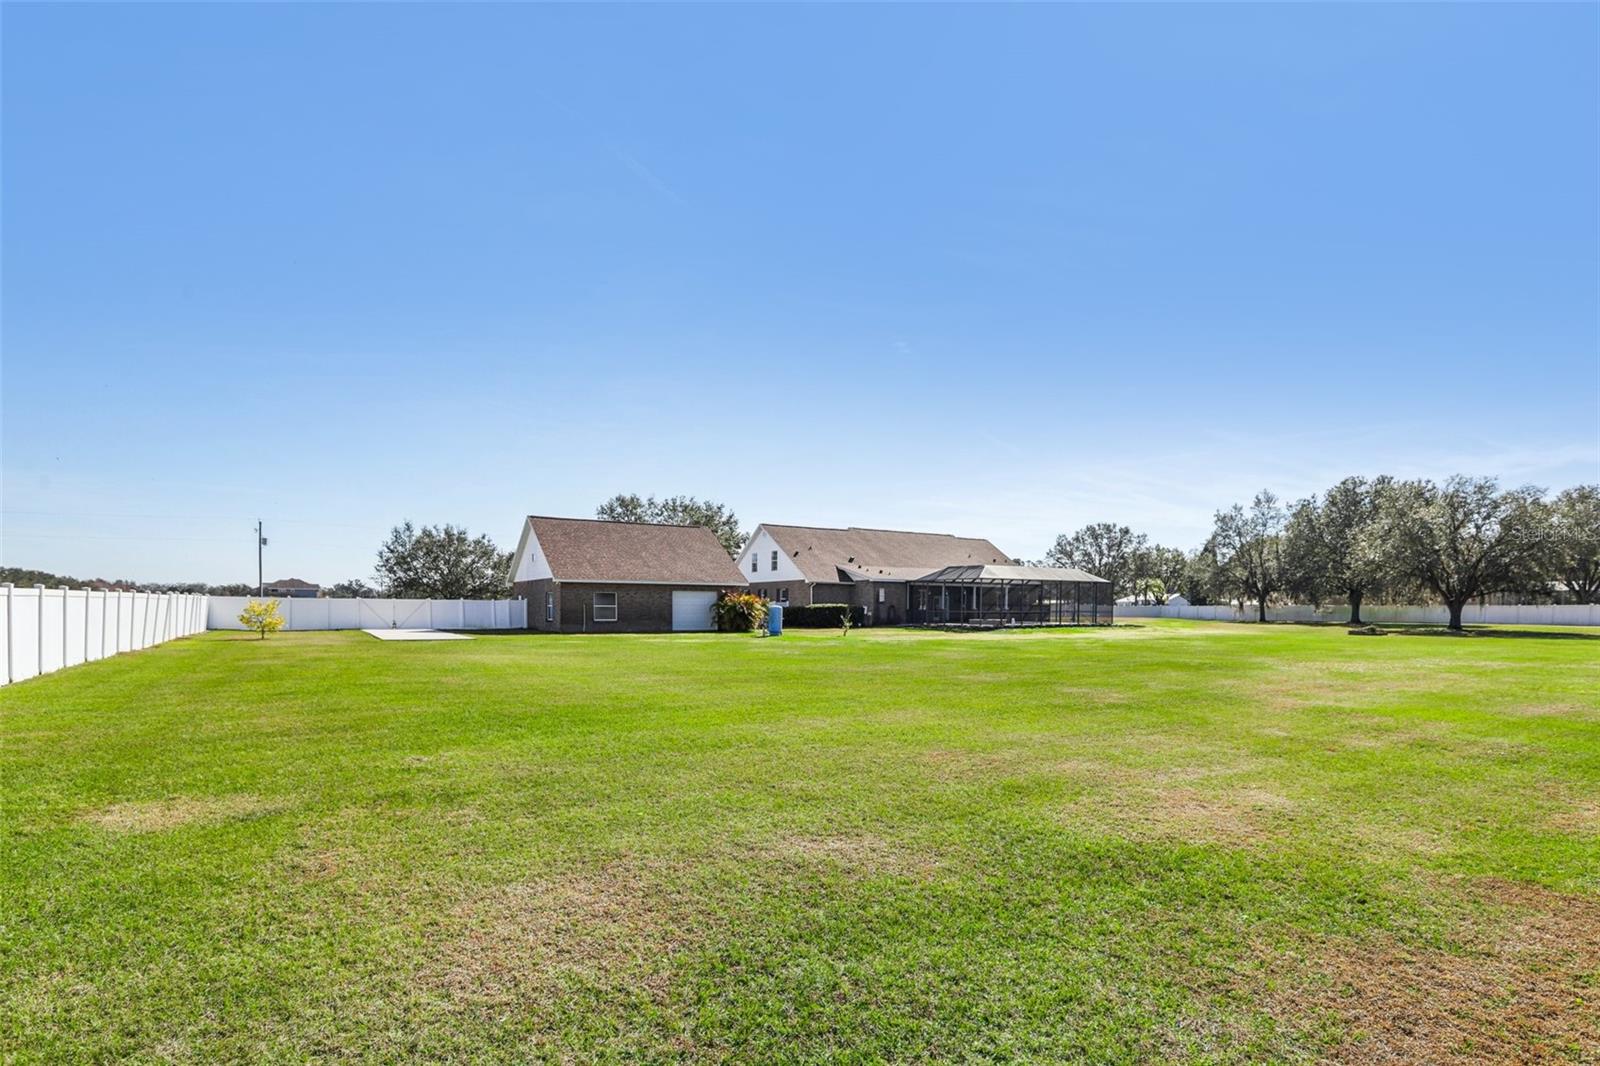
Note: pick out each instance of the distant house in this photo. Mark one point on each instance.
(897, 576)
(291, 588)
(586, 575)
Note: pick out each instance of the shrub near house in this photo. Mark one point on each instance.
(740, 612)
(821, 615)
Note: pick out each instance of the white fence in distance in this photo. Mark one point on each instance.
(306, 613)
(1527, 614)
(44, 630)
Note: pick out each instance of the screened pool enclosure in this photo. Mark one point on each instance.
(1009, 596)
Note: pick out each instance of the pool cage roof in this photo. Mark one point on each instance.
(1006, 575)
(991, 595)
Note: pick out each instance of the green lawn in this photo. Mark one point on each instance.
(1162, 841)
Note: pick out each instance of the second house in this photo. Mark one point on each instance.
(868, 568)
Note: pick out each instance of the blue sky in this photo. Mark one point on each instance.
(994, 271)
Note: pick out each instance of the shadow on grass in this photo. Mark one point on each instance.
(1487, 631)
(1420, 629)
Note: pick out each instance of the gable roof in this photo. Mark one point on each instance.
(588, 549)
(821, 553)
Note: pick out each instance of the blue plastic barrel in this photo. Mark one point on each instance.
(775, 620)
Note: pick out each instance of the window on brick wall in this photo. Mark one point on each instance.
(549, 606)
(605, 606)
(783, 595)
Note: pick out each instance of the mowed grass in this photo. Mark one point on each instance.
(1162, 841)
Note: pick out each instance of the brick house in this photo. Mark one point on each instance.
(583, 575)
(870, 568)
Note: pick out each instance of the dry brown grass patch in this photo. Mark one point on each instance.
(1521, 989)
(1332, 685)
(610, 927)
(1237, 815)
(156, 816)
(859, 854)
(1557, 709)
(967, 763)
(1582, 819)
(323, 864)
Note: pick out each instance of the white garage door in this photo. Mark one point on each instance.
(692, 610)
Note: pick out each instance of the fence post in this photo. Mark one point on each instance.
(86, 595)
(66, 610)
(40, 627)
(11, 632)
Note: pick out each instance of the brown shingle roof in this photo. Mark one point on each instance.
(820, 552)
(291, 583)
(587, 549)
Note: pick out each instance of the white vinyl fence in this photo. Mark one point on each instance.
(332, 613)
(1582, 614)
(44, 630)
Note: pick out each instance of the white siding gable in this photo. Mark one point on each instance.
(531, 563)
(760, 549)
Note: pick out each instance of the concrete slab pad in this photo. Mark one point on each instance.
(415, 634)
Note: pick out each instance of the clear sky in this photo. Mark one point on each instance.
(992, 271)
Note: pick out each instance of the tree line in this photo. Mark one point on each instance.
(23, 577)
(1365, 539)
(1361, 540)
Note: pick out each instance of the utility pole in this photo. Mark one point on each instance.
(261, 542)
